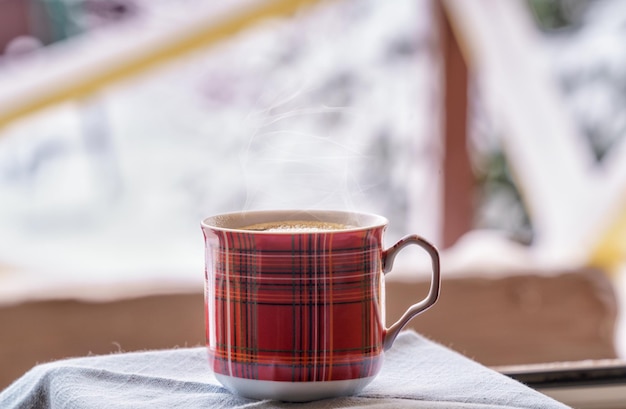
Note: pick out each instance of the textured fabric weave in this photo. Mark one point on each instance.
(417, 373)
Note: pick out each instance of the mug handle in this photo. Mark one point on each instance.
(388, 257)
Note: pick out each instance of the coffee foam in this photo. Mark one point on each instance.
(297, 226)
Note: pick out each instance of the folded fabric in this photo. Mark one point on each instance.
(417, 373)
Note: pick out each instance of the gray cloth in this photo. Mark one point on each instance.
(417, 373)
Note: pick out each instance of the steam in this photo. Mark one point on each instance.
(299, 157)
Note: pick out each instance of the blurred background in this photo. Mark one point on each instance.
(285, 115)
(106, 169)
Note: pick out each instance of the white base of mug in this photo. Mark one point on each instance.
(292, 391)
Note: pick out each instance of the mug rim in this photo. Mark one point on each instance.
(364, 220)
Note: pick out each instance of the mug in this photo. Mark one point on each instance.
(294, 301)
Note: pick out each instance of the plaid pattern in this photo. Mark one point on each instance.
(294, 307)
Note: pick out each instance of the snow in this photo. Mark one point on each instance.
(330, 110)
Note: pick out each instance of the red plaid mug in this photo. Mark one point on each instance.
(296, 313)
